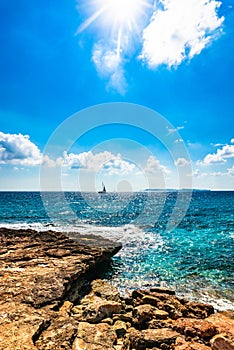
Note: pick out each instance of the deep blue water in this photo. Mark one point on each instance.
(196, 258)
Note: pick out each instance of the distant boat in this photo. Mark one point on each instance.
(103, 189)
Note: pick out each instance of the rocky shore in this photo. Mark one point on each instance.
(51, 297)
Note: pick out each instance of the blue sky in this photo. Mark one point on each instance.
(174, 57)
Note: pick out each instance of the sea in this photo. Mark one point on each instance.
(178, 239)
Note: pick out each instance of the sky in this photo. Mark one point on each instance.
(165, 66)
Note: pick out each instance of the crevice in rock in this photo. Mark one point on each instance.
(44, 325)
(82, 286)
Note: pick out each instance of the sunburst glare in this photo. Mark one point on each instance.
(123, 17)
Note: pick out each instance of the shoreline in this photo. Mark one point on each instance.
(50, 298)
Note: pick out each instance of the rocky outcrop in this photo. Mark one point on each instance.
(43, 307)
(38, 272)
(137, 324)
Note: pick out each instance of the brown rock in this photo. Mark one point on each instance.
(145, 313)
(220, 342)
(94, 337)
(199, 310)
(194, 327)
(162, 290)
(148, 299)
(66, 307)
(122, 344)
(94, 309)
(20, 325)
(126, 317)
(108, 321)
(191, 346)
(59, 335)
(29, 275)
(224, 322)
(138, 294)
(37, 272)
(162, 338)
(167, 302)
(105, 290)
(154, 323)
(120, 328)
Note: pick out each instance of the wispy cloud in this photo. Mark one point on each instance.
(18, 149)
(172, 131)
(109, 66)
(180, 30)
(218, 174)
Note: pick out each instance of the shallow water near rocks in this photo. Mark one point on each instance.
(196, 258)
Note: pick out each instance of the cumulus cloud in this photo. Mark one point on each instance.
(119, 166)
(110, 66)
(153, 167)
(106, 161)
(180, 162)
(50, 163)
(87, 160)
(180, 30)
(220, 157)
(18, 149)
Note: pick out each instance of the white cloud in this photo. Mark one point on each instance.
(220, 156)
(196, 173)
(179, 140)
(179, 31)
(119, 166)
(180, 162)
(50, 163)
(166, 32)
(18, 149)
(217, 144)
(87, 160)
(232, 140)
(153, 167)
(109, 162)
(228, 173)
(110, 66)
(231, 171)
(172, 131)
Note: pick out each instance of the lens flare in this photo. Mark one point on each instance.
(123, 12)
(124, 17)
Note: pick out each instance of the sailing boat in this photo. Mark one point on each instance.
(103, 189)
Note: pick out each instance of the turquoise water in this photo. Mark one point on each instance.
(196, 258)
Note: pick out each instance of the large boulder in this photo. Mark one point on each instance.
(105, 290)
(94, 309)
(220, 342)
(149, 338)
(195, 328)
(94, 337)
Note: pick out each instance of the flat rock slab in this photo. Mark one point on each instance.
(37, 272)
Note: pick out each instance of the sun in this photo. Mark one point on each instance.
(118, 14)
(123, 12)
(123, 17)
